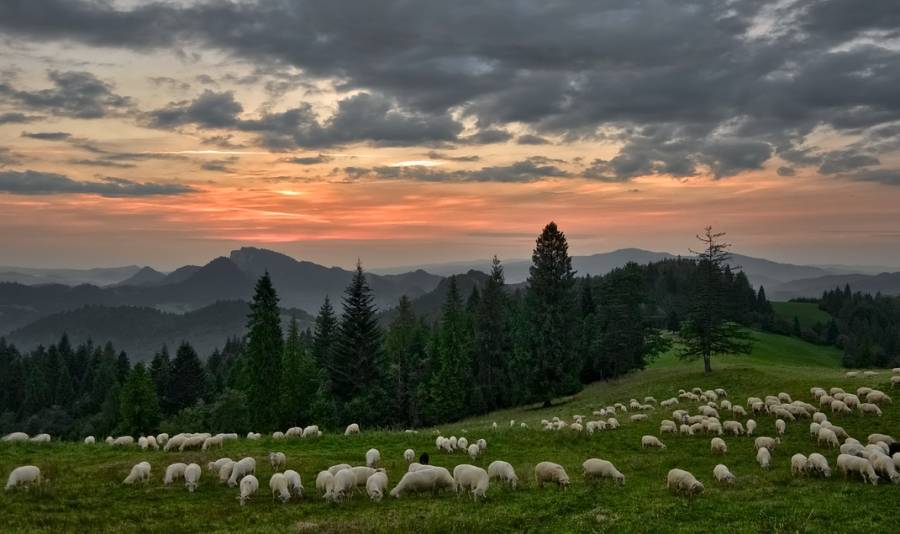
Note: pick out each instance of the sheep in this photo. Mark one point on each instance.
(294, 485)
(723, 475)
(14, 437)
(875, 438)
(766, 442)
(875, 448)
(123, 441)
(140, 472)
(868, 407)
(193, 440)
(738, 410)
(482, 444)
(453, 441)
(686, 430)
(294, 432)
(90, 440)
(763, 457)
(373, 457)
(597, 468)
(40, 438)
(142, 443)
(839, 407)
(780, 426)
(335, 468)
(853, 464)
(362, 473)
(680, 481)
(612, 423)
(471, 478)
(249, 487)
(503, 471)
(312, 431)
(213, 441)
(429, 479)
(667, 426)
(713, 426)
(277, 460)
(494, 426)
(462, 444)
(474, 451)
(254, 435)
(799, 464)
(174, 442)
(717, 445)
(174, 472)
(751, 427)
(884, 465)
(162, 439)
(638, 417)
(550, 472)
(576, 427)
(838, 431)
(853, 449)
(896, 459)
(409, 455)
(877, 397)
(828, 436)
(352, 428)
(819, 417)
(376, 486)
(279, 487)
(278, 434)
(325, 484)
(225, 471)
(344, 482)
(816, 463)
(651, 441)
(25, 475)
(192, 477)
(243, 467)
(895, 381)
(734, 427)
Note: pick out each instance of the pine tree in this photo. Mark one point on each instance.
(161, 374)
(188, 381)
(405, 344)
(299, 380)
(453, 374)
(550, 307)
(265, 347)
(324, 339)
(707, 331)
(493, 342)
(138, 403)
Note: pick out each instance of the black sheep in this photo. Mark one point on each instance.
(423, 459)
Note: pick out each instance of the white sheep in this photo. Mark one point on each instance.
(225, 471)
(344, 482)
(819, 417)
(717, 445)
(723, 475)
(482, 444)
(751, 427)
(312, 431)
(840, 407)
(174, 472)
(409, 455)
(277, 460)
(362, 473)
(612, 423)
(279, 487)
(681, 481)
(294, 432)
(763, 457)
(14, 437)
(453, 441)
(90, 440)
(123, 441)
(877, 397)
(139, 473)
(373, 457)
(799, 464)
(241, 468)
(325, 484)
(213, 441)
(550, 472)
(686, 430)
(667, 426)
(40, 438)
(352, 428)
(471, 478)
(503, 471)
(215, 466)
(142, 443)
(652, 441)
(875, 438)
(295, 486)
(430, 479)
(780, 426)
(884, 465)
(638, 417)
(474, 451)
(597, 468)
(278, 435)
(735, 427)
(249, 487)
(162, 439)
(192, 477)
(462, 444)
(24, 475)
(896, 459)
(828, 436)
(335, 468)
(868, 407)
(816, 463)
(376, 486)
(853, 464)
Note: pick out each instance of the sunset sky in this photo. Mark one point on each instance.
(418, 132)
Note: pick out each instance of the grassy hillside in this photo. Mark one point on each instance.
(85, 487)
(807, 312)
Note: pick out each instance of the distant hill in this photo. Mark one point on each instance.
(147, 276)
(430, 304)
(140, 331)
(99, 276)
(884, 283)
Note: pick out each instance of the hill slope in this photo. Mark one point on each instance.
(884, 283)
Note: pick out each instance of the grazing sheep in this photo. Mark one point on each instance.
(638, 417)
(751, 427)
(597, 468)
(462, 444)
(612, 423)
(293, 432)
(868, 407)
(249, 487)
(373, 457)
(335, 468)
(717, 445)
(550, 472)
(734, 427)
(875, 438)
(376, 486)
(241, 468)
(819, 417)
(780, 426)
(140, 472)
(123, 441)
(225, 471)
(312, 431)
(295, 486)
(853, 449)
(723, 475)
(816, 463)
(853, 464)
(680, 481)
(766, 442)
(713, 426)
(651, 441)
(686, 430)
(877, 397)
(192, 477)
(213, 441)
(344, 482)
(24, 475)
(667, 426)
(838, 431)
(884, 465)
(738, 410)
(503, 471)
(362, 473)
(454, 442)
(409, 455)
(828, 436)
(40, 438)
(325, 484)
(89, 440)
(174, 472)
(278, 435)
(840, 407)
(474, 451)
(193, 440)
(352, 428)
(799, 464)
(895, 381)
(430, 479)
(142, 443)
(763, 457)
(277, 460)
(254, 435)
(279, 486)
(471, 478)
(576, 427)
(482, 444)
(14, 437)
(896, 459)
(814, 429)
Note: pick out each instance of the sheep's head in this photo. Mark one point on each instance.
(696, 488)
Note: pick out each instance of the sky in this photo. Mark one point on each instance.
(402, 133)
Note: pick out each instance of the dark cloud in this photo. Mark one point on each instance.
(74, 94)
(884, 176)
(786, 171)
(8, 157)
(731, 93)
(529, 170)
(47, 136)
(220, 165)
(169, 83)
(102, 163)
(46, 183)
(309, 160)
(531, 139)
(17, 118)
(434, 154)
(842, 161)
(209, 110)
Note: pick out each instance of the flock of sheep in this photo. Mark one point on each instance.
(878, 457)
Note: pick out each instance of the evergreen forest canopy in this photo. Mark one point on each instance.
(492, 348)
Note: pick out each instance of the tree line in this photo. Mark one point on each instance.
(493, 348)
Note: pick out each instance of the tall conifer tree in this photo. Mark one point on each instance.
(265, 346)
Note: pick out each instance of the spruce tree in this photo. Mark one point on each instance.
(138, 403)
(405, 344)
(161, 374)
(324, 339)
(452, 377)
(265, 347)
(299, 379)
(493, 342)
(550, 307)
(188, 382)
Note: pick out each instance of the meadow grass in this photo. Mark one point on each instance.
(84, 490)
(807, 313)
